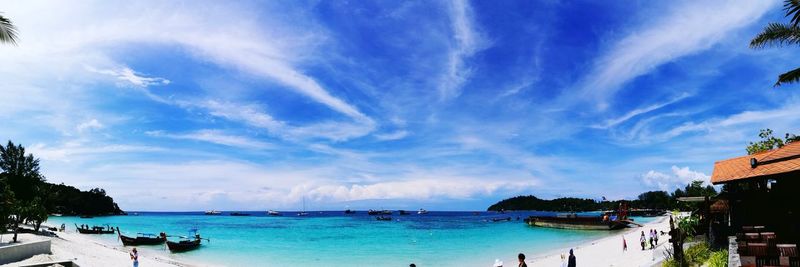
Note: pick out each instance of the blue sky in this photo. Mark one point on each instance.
(396, 104)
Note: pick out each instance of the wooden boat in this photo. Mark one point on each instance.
(142, 239)
(84, 229)
(184, 245)
(607, 221)
(383, 218)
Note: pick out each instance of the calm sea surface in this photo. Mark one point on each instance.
(335, 239)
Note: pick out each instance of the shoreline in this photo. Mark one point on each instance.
(607, 251)
(87, 250)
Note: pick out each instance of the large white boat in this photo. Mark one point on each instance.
(213, 212)
(273, 213)
(422, 211)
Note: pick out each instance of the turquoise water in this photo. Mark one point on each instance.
(335, 239)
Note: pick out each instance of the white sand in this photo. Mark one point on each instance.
(608, 250)
(87, 252)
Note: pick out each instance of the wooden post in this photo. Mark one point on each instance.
(677, 244)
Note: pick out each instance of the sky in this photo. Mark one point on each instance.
(443, 105)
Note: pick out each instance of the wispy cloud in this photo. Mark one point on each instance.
(216, 137)
(126, 74)
(92, 124)
(639, 111)
(468, 40)
(396, 135)
(683, 31)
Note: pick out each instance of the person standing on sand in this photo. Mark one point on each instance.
(624, 244)
(655, 236)
(642, 240)
(135, 257)
(521, 258)
(571, 259)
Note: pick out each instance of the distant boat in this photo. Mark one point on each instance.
(56, 214)
(303, 213)
(349, 211)
(422, 211)
(501, 219)
(239, 214)
(213, 212)
(608, 221)
(386, 212)
(87, 216)
(273, 213)
(403, 212)
(142, 239)
(84, 229)
(373, 212)
(383, 218)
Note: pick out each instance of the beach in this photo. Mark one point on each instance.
(87, 251)
(90, 250)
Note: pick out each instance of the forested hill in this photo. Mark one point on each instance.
(534, 203)
(69, 200)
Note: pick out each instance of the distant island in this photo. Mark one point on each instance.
(658, 200)
(68, 200)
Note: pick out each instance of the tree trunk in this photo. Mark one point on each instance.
(676, 237)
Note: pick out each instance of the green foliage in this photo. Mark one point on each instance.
(655, 200)
(782, 34)
(670, 263)
(718, 259)
(533, 203)
(769, 142)
(697, 254)
(686, 225)
(69, 200)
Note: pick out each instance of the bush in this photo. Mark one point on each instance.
(697, 254)
(670, 263)
(718, 259)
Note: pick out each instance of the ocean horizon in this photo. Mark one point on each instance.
(332, 238)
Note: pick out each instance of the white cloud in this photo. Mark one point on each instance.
(679, 178)
(92, 124)
(396, 135)
(683, 31)
(639, 111)
(126, 74)
(468, 41)
(216, 137)
(72, 150)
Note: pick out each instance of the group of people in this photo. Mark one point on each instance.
(652, 240)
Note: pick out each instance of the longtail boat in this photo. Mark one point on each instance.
(607, 221)
(184, 245)
(142, 239)
(84, 229)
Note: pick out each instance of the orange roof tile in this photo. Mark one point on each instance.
(776, 161)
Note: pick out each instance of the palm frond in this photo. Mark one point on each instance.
(792, 8)
(792, 76)
(8, 32)
(776, 34)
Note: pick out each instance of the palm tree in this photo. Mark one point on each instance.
(8, 32)
(778, 34)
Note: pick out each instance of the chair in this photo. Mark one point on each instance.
(786, 253)
(752, 237)
(757, 249)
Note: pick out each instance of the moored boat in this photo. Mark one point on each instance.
(349, 211)
(607, 221)
(85, 229)
(142, 239)
(273, 213)
(184, 245)
(422, 211)
(383, 218)
(213, 212)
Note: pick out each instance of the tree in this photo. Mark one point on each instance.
(655, 200)
(20, 173)
(769, 142)
(8, 32)
(778, 34)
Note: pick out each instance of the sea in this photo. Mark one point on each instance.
(333, 238)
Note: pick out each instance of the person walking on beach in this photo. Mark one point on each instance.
(135, 257)
(642, 240)
(521, 258)
(624, 244)
(571, 259)
(655, 236)
(651, 239)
